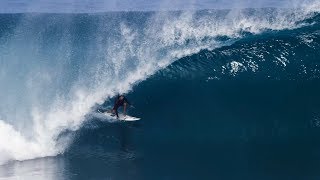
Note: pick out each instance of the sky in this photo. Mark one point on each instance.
(11, 6)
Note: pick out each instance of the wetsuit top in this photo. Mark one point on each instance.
(118, 102)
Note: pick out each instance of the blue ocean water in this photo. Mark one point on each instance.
(223, 94)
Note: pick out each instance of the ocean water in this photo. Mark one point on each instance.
(223, 94)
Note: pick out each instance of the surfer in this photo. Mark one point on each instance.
(120, 101)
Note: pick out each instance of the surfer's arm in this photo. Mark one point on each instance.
(124, 108)
(115, 101)
(126, 100)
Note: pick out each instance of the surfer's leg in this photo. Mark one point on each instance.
(117, 114)
(116, 111)
(124, 108)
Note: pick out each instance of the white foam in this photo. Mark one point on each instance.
(236, 67)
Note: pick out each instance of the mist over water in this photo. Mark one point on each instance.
(55, 67)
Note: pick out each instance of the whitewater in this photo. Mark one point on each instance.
(55, 68)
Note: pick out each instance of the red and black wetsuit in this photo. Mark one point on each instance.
(119, 102)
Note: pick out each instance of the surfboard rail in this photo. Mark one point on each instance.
(122, 117)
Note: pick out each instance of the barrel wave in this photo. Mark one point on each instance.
(55, 69)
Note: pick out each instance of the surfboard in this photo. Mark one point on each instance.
(122, 117)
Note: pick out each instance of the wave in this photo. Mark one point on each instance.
(281, 55)
(56, 67)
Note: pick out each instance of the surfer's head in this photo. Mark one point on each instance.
(120, 96)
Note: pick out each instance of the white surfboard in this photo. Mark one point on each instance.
(122, 117)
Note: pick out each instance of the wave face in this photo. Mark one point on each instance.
(273, 55)
(56, 67)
